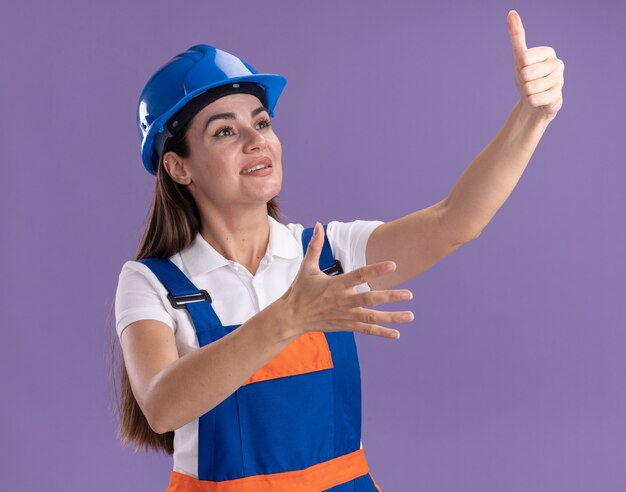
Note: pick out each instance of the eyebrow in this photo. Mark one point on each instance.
(231, 116)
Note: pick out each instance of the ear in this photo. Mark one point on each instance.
(176, 168)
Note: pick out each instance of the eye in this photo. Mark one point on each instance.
(265, 122)
(224, 129)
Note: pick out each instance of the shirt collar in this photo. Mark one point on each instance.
(200, 257)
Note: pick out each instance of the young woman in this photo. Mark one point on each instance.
(237, 330)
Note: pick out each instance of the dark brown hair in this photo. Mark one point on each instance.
(172, 223)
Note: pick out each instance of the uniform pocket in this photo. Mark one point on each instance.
(307, 353)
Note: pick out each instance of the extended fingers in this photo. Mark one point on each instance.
(365, 273)
(368, 329)
(374, 298)
(373, 317)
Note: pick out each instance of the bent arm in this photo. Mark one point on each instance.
(173, 391)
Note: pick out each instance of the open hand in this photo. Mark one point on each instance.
(319, 302)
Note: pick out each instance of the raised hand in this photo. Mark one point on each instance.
(538, 71)
(318, 302)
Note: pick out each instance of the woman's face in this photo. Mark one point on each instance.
(222, 145)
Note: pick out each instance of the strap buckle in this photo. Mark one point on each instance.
(179, 302)
(334, 269)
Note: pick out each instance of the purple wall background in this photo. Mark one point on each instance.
(512, 375)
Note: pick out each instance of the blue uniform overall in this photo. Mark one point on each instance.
(295, 426)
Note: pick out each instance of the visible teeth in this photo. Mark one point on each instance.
(260, 166)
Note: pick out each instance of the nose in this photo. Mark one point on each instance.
(254, 140)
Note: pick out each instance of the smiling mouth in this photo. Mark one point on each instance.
(256, 168)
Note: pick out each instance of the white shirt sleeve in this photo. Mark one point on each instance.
(348, 241)
(139, 296)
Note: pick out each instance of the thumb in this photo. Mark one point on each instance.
(312, 256)
(516, 33)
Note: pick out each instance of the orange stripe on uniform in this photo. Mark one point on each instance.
(307, 353)
(315, 478)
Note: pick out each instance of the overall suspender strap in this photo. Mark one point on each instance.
(182, 293)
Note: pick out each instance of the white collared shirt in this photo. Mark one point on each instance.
(236, 294)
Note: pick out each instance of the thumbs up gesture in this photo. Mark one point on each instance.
(538, 71)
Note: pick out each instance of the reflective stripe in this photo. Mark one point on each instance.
(315, 478)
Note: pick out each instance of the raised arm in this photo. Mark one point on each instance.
(417, 241)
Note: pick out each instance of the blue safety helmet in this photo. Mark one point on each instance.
(170, 92)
